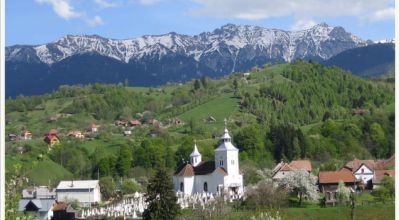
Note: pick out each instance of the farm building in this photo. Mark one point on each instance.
(282, 169)
(85, 191)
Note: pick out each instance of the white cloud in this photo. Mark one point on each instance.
(304, 10)
(95, 21)
(303, 24)
(149, 2)
(62, 8)
(107, 4)
(65, 10)
(384, 14)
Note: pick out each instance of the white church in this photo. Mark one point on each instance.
(220, 175)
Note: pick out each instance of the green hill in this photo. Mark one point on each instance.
(285, 111)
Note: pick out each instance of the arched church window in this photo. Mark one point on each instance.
(205, 187)
(181, 187)
(232, 162)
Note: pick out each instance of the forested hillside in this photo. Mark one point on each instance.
(280, 112)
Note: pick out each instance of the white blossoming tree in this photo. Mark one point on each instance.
(343, 193)
(302, 183)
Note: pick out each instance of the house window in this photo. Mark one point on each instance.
(221, 162)
(181, 187)
(362, 170)
(205, 187)
(195, 160)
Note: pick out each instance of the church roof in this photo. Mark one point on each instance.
(204, 168)
(195, 151)
(226, 142)
(226, 134)
(224, 146)
(185, 170)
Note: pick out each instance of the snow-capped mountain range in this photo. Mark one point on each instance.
(320, 41)
(153, 60)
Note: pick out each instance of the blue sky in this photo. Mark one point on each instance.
(43, 21)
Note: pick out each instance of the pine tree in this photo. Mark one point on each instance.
(197, 85)
(161, 199)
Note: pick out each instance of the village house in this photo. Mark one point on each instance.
(13, 137)
(26, 135)
(39, 192)
(328, 181)
(63, 211)
(379, 175)
(134, 123)
(283, 169)
(86, 192)
(51, 137)
(93, 128)
(363, 170)
(76, 134)
(211, 119)
(220, 175)
(121, 123)
(175, 121)
(127, 132)
(38, 202)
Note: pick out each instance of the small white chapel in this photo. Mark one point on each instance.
(220, 175)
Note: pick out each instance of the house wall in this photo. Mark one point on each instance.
(333, 187)
(366, 176)
(82, 196)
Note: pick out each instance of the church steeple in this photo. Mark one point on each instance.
(227, 155)
(195, 156)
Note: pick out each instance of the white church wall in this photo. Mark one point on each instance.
(220, 156)
(232, 163)
(187, 184)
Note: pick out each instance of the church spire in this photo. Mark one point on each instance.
(195, 156)
(226, 137)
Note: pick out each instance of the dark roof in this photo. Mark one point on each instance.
(204, 168)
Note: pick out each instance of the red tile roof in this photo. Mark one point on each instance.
(135, 122)
(59, 206)
(294, 165)
(356, 163)
(301, 165)
(185, 170)
(52, 131)
(390, 161)
(326, 177)
(93, 125)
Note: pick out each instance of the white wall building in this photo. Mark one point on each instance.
(216, 176)
(364, 173)
(85, 191)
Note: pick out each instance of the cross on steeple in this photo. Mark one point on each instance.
(225, 122)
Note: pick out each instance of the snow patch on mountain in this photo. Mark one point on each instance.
(228, 41)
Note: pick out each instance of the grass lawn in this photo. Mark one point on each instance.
(219, 108)
(378, 212)
(47, 172)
